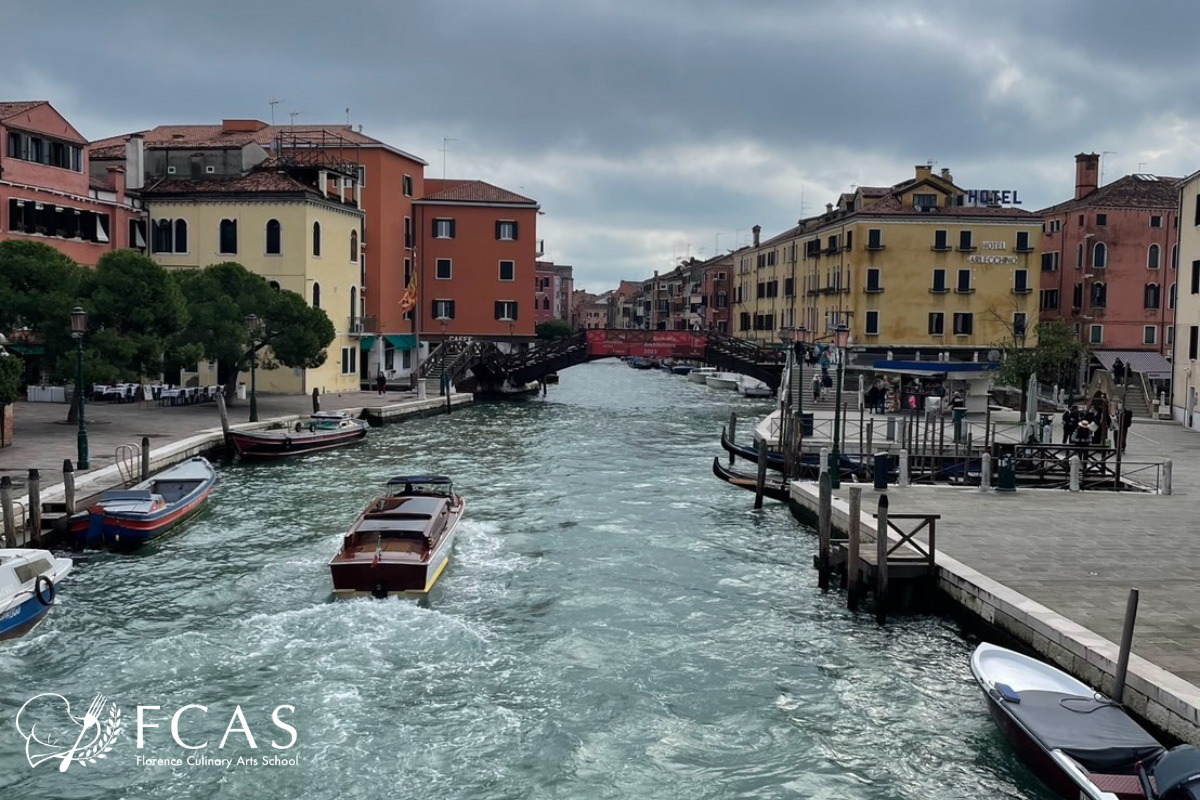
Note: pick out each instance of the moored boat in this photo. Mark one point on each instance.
(682, 369)
(401, 543)
(1079, 742)
(637, 362)
(722, 380)
(752, 387)
(130, 517)
(772, 488)
(28, 583)
(323, 430)
(700, 374)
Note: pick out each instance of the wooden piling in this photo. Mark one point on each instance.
(224, 412)
(6, 509)
(853, 559)
(761, 478)
(870, 438)
(824, 530)
(145, 458)
(69, 486)
(732, 432)
(316, 400)
(34, 513)
(881, 568)
(1131, 606)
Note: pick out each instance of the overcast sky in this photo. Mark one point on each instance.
(652, 129)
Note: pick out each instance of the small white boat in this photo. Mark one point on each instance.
(752, 387)
(722, 380)
(699, 374)
(28, 581)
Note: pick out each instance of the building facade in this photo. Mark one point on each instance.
(51, 192)
(1185, 382)
(1109, 259)
(555, 284)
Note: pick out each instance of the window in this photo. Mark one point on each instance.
(964, 241)
(408, 185)
(1101, 220)
(137, 233)
(1153, 296)
(1150, 334)
(1100, 256)
(228, 236)
(1155, 222)
(443, 309)
(1079, 256)
(1171, 297)
(545, 304)
(1171, 333)
(744, 321)
(163, 240)
(1174, 256)
(506, 310)
(360, 175)
(316, 295)
(274, 237)
(832, 243)
(49, 152)
(1152, 257)
(508, 270)
(443, 269)
(1077, 296)
(1196, 277)
(1099, 295)
(408, 232)
(1096, 334)
(937, 323)
(1081, 220)
(940, 240)
(789, 287)
(1192, 341)
(1021, 281)
(873, 286)
(939, 282)
(925, 202)
(964, 324)
(506, 230)
(1049, 300)
(872, 323)
(443, 228)
(722, 300)
(349, 360)
(354, 246)
(1050, 262)
(181, 236)
(1023, 242)
(964, 282)
(317, 239)
(1019, 323)
(874, 239)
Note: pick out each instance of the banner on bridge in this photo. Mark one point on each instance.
(645, 344)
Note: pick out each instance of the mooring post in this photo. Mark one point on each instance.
(9, 516)
(903, 481)
(870, 437)
(824, 534)
(1166, 476)
(852, 549)
(1131, 606)
(890, 430)
(69, 486)
(35, 507)
(1075, 469)
(316, 398)
(985, 472)
(881, 568)
(732, 433)
(761, 479)
(824, 467)
(145, 458)
(224, 412)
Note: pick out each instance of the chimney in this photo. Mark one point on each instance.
(116, 179)
(924, 171)
(1087, 174)
(135, 162)
(946, 176)
(757, 234)
(829, 208)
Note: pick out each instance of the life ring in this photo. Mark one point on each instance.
(43, 590)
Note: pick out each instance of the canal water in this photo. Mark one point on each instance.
(616, 623)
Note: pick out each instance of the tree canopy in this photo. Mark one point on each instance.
(38, 288)
(1055, 359)
(11, 369)
(554, 329)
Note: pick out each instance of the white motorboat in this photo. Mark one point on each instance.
(28, 582)
(699, 374)
(722, 380)
(752, 387)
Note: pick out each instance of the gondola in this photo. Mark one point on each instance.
(774, 457)
(809, 463)
(774, 489)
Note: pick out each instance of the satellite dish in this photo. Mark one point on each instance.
(993, 355)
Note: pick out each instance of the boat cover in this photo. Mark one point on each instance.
(1096, 733)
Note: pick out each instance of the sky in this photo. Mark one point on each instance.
(654, 130)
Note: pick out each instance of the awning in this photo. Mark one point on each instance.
(1147, 362)
(367, 344)
(26, 349)
(402, 341)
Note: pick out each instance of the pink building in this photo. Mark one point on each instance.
(49, 194)
(555, 285)
(1109, 260)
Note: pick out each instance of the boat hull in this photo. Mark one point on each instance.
(716, 382)
(1038, 760)
(99, 526)
(254, 445)
(20, 620)
(776, 490)
(363, 577)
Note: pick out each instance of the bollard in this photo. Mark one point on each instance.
(870, 436)
(1075, 469)
(1131, 606)
(6, 509)
(145, 458)
(880, 472)
(316, 398)
(903, 481)
(1166, 477)
(891, 429)
(732, 428)
(69, 487)
(35, 507)
(761, 478)
(824, 534)
(852, 555)
(881, 569)
(824, 466)
(985, 472)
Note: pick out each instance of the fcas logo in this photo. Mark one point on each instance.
(52, 732)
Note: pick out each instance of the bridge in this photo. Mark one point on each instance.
(479, 365)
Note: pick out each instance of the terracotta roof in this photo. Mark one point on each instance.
(892, 206)
(265, 181)
(10, 108)
(1130, 191)
(874, 191)
(107, 153)
(471, 192)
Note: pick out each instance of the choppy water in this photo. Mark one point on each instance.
(616, 623)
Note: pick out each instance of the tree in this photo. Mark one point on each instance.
(11, 370)
(38, 288)
(1054, 359)
(554, 329)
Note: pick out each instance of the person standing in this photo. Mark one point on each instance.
(381, 383)
(1126, 423)
(816, 388)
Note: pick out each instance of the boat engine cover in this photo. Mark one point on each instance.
(1177, 774)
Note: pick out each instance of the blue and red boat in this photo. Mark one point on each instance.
(127, 518)
(28, 580)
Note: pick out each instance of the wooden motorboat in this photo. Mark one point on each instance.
(1079, 742)
(323, 430)
(700, 374)
(772, 487)
(682, 369)
(28, 582)
(637, 362)
(752, 387)
(401, 543)
(722, 380)
(130, 517)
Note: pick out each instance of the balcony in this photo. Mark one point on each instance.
(362, 326)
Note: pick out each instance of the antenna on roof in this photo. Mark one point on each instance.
(347, 115)
(1104, 153)
(445, 146)
(1141, 164)
(293, 115)
(272, 103)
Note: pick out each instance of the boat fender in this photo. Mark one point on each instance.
(299, 426)
(312, 427)
(43, 589)
(1007, 693)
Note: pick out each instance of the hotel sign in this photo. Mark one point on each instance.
(992, 256)
(992, 197)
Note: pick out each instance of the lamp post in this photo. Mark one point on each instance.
(253, 324)
(512, 324)
(78, 328)
(445, 376)
(842, 339)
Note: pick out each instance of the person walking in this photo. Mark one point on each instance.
(381, 383)
(1126, 422)
(816, 387)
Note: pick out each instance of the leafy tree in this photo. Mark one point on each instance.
(38, 288)
(1054, 359)
(554, 329)
(11, 370)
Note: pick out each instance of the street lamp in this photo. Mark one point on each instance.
(842, 339)
(253, 325)
(445, 375)
(78, 329)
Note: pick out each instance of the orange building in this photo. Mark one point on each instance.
(477, 256)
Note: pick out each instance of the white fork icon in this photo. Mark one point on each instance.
(92, 717)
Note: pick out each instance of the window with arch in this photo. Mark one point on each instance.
(1171, 297)
(353, 304)
(1153, 296)
(274, 285)
(316, 295)
(354, 246)
(1099, 295)
(274, 237)
(228, 236)
(316, 239)
(1152, 257)
(545, 304)
(181, 236)
(1100, 256)
(162, 239)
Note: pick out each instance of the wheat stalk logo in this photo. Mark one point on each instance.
(51, 731)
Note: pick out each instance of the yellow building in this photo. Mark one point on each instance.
(764, 287)
(922, 266)
(298, 237)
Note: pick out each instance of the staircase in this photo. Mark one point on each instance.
(1135, 399)
(434, 367)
